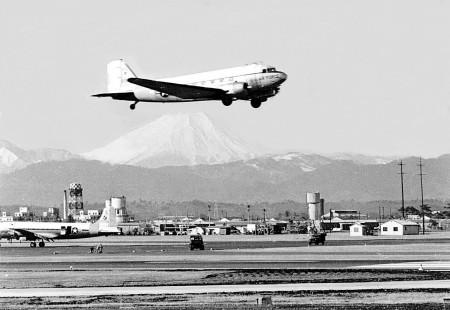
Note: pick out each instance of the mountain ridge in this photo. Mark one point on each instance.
(254, 180)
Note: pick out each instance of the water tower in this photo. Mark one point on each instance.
(314, 209)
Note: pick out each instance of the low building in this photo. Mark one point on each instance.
(358, 229)
(5, 217)
(338, 224)
(444, 224)
(399, 227)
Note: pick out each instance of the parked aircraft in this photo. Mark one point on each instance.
(32, 231)
(255, 82)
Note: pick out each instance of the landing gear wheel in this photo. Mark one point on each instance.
(227, 101)
(256, 103)
(133, 106)
(41, 244)
(33, 244)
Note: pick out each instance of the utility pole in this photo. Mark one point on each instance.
(331, 229)
(248, 210)
(401, 164)
(264, 211)
(421, 192)
(379, 215)
(209, 215)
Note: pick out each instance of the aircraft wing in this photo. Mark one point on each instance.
(31, 235)
(183, 91)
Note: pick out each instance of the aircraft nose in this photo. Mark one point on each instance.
(283, 76)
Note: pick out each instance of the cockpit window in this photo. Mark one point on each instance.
(271, 70)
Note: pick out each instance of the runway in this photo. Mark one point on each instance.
(207, 289)
(229, 268)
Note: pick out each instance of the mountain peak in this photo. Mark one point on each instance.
(174, 140)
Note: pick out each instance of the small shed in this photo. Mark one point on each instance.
(399, 227)
(358, 229)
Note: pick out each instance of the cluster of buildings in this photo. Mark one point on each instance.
(25, 213)
(336, 220)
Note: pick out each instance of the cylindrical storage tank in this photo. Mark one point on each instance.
(322, 207)
(313, 201)
(312, 197)
(312, 211)
(118, 203)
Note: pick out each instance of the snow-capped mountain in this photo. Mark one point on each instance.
(291, 160)
(13, 158)
(175, 140)
(363, 159)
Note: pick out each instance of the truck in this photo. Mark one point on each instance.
(197, 242)
(317, 238)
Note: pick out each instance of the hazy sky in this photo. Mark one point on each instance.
(371, 77)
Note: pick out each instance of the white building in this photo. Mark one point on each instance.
(358, 229)
(399, 227)
(5, 217)
(92, 214)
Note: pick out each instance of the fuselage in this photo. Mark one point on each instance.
(49, 230)
(261, 82)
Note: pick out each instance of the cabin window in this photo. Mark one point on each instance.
(395, 228)
(384, 228)
(264, 70)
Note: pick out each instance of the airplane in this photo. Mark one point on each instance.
(255, 82)
(32, 231)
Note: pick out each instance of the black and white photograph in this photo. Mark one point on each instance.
(212, 154)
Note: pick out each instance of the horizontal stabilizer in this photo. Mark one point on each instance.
(180, 90)
(118, 96)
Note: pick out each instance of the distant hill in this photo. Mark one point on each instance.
(13, 158)
(268, 179)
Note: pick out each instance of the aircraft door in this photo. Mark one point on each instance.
(66, 230)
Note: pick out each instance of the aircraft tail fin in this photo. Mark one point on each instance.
(118, 75)
(107, 222)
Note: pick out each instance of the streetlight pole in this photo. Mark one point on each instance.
(248, 211)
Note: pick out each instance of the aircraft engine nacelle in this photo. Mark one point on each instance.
(236, 89)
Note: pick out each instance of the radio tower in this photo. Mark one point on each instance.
(401, 164)
(75, 199)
